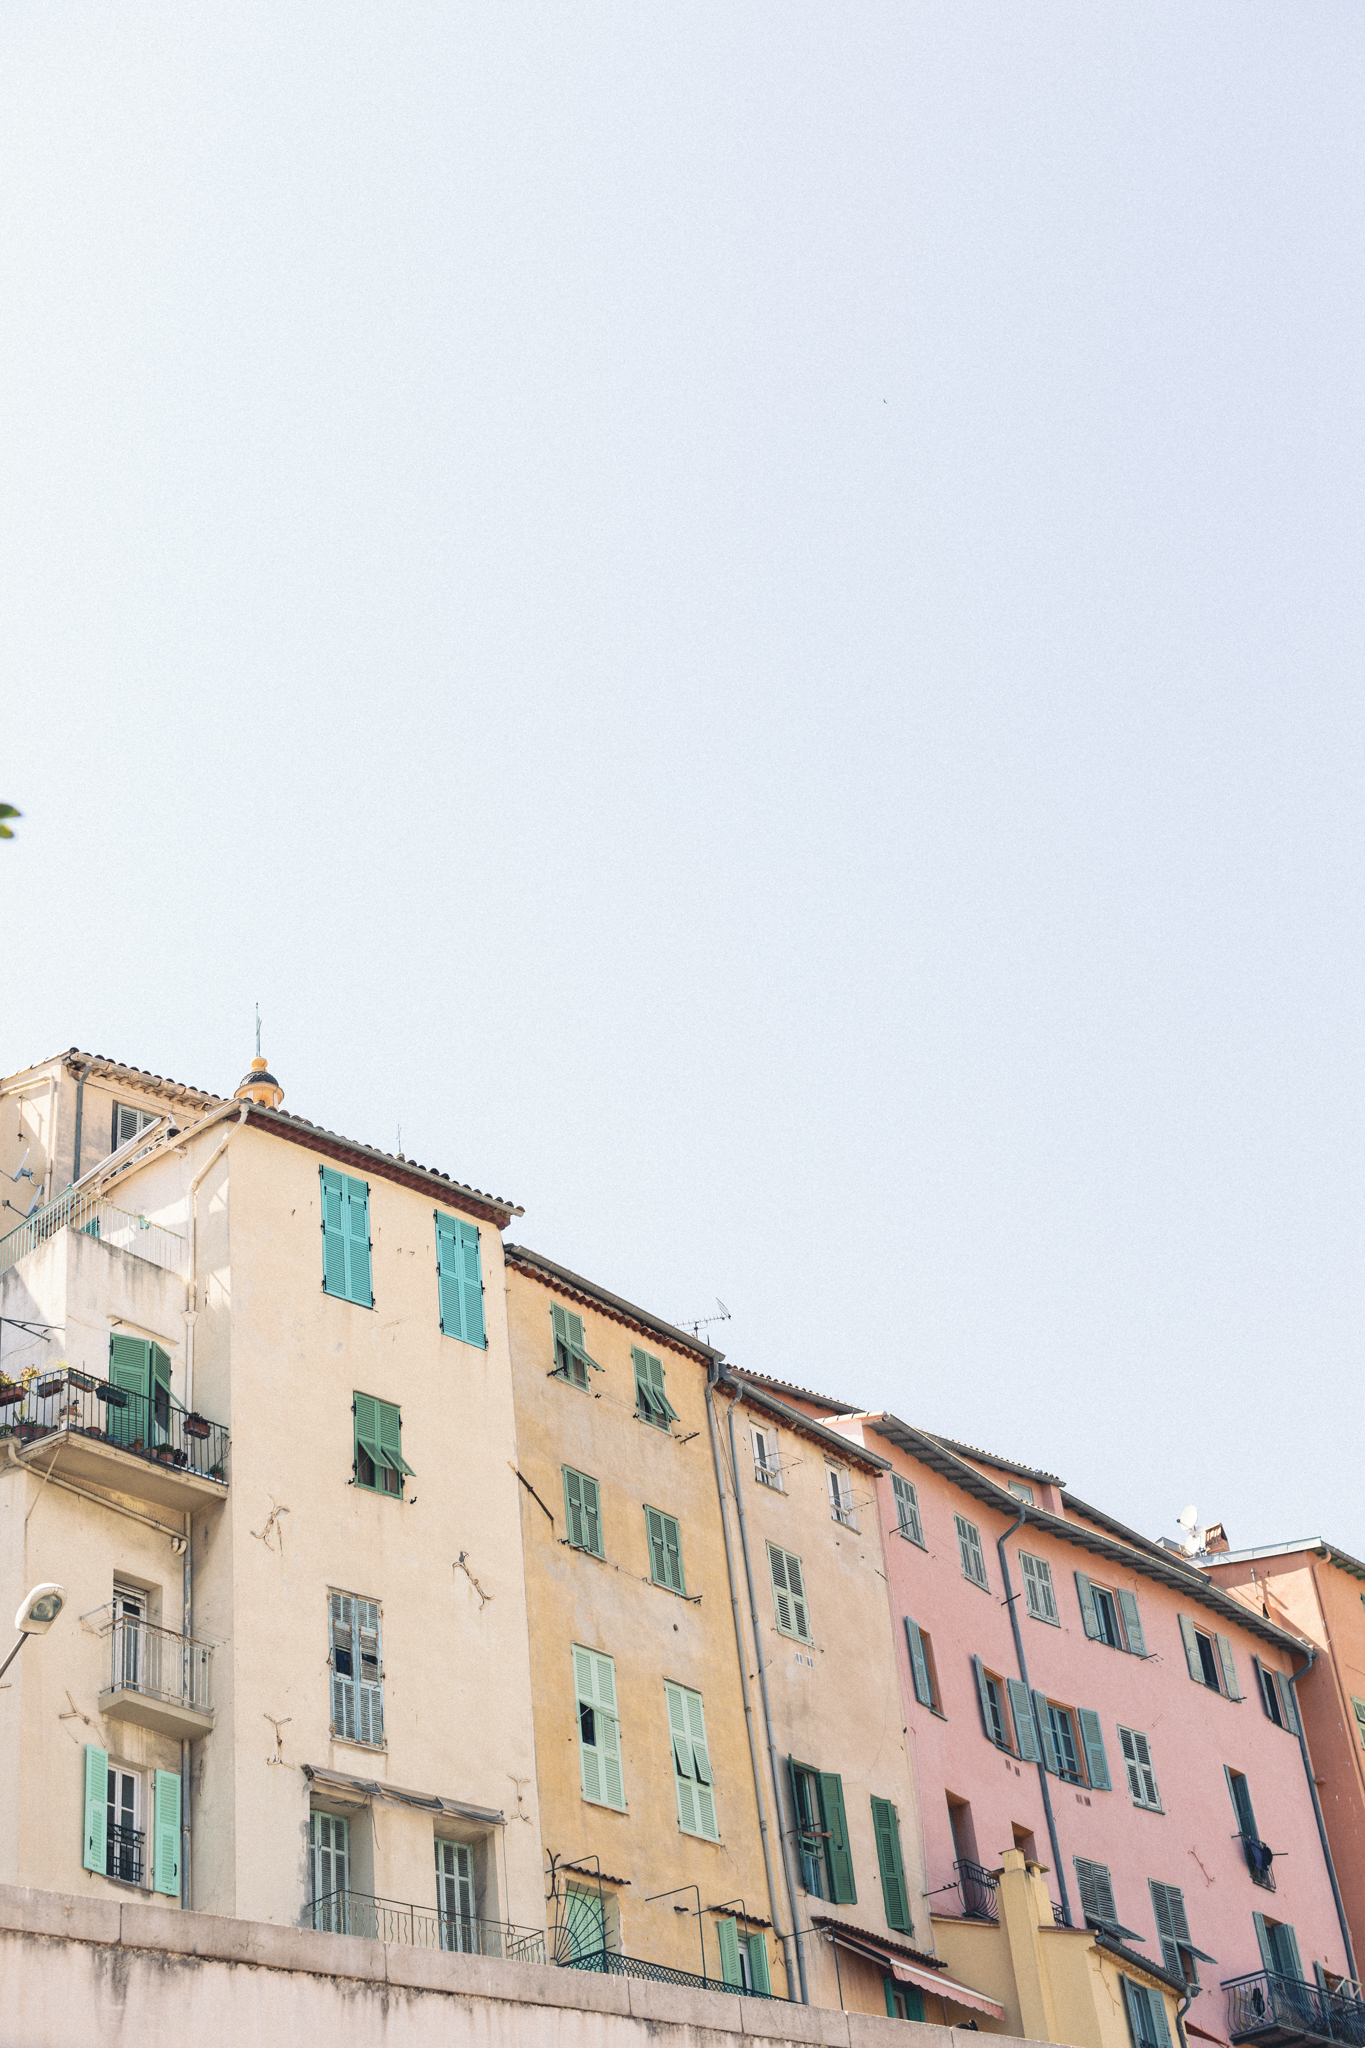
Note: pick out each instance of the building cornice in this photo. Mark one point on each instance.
(573, 1287)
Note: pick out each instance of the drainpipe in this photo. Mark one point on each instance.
(1001, 1541)
(749, 1730)
(192, 1312)
(1317, 1808)
(773, 1760)
(80, 1111)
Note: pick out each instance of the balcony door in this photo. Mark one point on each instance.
(130, 1615)
(143, 1371)
(331, 1873)
(455, 1895)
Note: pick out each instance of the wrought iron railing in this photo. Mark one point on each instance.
(158, 1662)
(1259, 1860)
(123, 1853)
(611, 1962)
(1059, 1918)
(347, 1912)
(96, 1218)
(980, 1891)
(159, 1430)
(1287, 2007)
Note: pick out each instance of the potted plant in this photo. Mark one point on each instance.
(27, 1432)
(10, 1392)
(195, 1425)
(81, 1380)
(112, 1396)
(216, 1472)
(52, 1383)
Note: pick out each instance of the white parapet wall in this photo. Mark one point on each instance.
(75, 1971)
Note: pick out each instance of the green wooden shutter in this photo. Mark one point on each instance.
(1240, 1793)
(369, 1670)
(341, 1611)
(130, 1367)
(1092, 1735)
(684, 1781)
(985, 1699)
(1051, 1760)
(573, 1508)
(701, 1764)
(1025, 1735)
(333, 1231)
(728, 1936)
(1096, 1889)
(895, 1897)
(366, 1412)
(448, 1277)
(600, 1757)
(592, 1515)
(95, 1854)
(673, 1564)
(654, 1530)
(358, 1286)
(1190, 1639)
(1263, 1943)
(1132, 1622)
(166, 1845)
(842, 1888)
(159, 1392)
(391, 1441)
(1286, 1943)
(919, 1664)
(1291, 1706)
(1230, 1685)
(609, 1738)
(758, 1965)
(907, 1509)
(1090, 1621)
(1173, 1928)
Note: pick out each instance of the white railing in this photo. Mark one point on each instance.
(158, 1662)
(95, 1218)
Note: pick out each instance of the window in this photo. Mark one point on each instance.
(840, 1495)
(923, 1676)
(1137, 1765)
(455, 1896)
(886, 1829)
(1277, 1697)
(582, 1512)
(1241, 1803)
(459, 1280)
(822, 1831)
(1146, 2009)
(1020, 1490)
(1260, 1859)
(789, 1593)
(1096, 1888)
(357, 1670)
(989, 1691)
(691, 1763)
(115, 1831)
(1039, 1597)
(143, 1370)
(665, 1550)
(743, 1959)
(1209, 1659)
(1279, 1947)
(1110, 1615)
(908, 1523)
(599, 1730)
(346, 1237)
(903, 2001)
(651, 1402)
(378, 1455)
(584, 1922)
(330, 1870)
(123, 1853)
(1358, 1707)
(572, 1362)
(128, 1122)
(130, 1638)
(970, 1551)
(1063, 1744)
(767, 1464)
(1178, 1952)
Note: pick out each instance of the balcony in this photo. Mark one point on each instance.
(1268, 2009)
(157, 1678)
(980, 1892)
(118, 1228)
(106, 1436)
(610, 1962)
(123, 1853)
(347, 1912)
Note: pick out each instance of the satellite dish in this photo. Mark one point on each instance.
(1188, 1519)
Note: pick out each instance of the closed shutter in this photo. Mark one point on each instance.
(970, 1551)
(342, 1613)
(581, 1507)
(166, 1836)
(837, 1853)
(1090, 1621)
(459, 1279)
(95, 1853)
(1025, 1735)
(1096, 1890)
(1038, 1594)
(1290, 1703)
(599, 1734)
(1092, 1735)
(907, 1509)
(728, 1936)
(682, 1761)
(358, 1286)
(1241, 1802)
(369, 1688)
(650, 1399)
(1190, 1639)
(1287, 1949)
(366, 1412)
(333, 1231)
(1229, 1669)
(691, 1762)
(758, 1965)
(789, 1593)
(471, 1285)
(895, 1898)
(1132, 1622)
(1051, 1760)
(1173, 1929)
(331, 1846)
(919, 1664)
(665, 1550)
(391, 1441)
(1137, 1764)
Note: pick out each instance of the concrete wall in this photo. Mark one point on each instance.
(77, 1970)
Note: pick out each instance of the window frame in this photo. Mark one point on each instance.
(667, 1522)
(969, 1544)
(839, 1489)
(767, 1458)
(1136, 1765)
(900, 1487)
(381, 1457)
(365, 1690)
(785, 1591)
(1213, 1652)
(145, 1117)
(1041, 1567)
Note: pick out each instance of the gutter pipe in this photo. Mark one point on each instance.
(1010, 1597)
(759, 1659)
(80, 1112)
(749, 1730)
(1317, 1809)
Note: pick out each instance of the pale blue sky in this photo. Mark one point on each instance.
(750, 619)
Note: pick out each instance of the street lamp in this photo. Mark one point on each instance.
(37, 1612)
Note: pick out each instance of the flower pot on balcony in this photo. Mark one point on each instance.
(53, 1384)
(10, 1392)
(195, 1425)
(27, 1432)
(113, 1397)
(81, 1380)
(216, 1472)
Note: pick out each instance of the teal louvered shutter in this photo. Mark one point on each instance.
(1263, 1943)
(758, 1965)
(573, 1508)
(1157, 2005)
(341, 1611)
(727, 1935)
(654, 1530)
(1132, 1622)
(1287, 1949)
(471, 1284)
(983, 1693)
(701, 1764)
(1089, 1619)
(369, 1686)
(1051, 1760)
(592, 1517)
(651, 1400)
(334, 1231)
(1241, 1803)
(448, 1294)
(599, 1738)
(673, 1566)
(95, 1853)
(365, 1410)
(919, 1664)
(1096, 1889)
(358, 1286)
(1092, 1736)
(391, 1441)
(1190, 1638)
(166, 1833)
(684, 1777)
(837, 1853)
(1025, 1736)
(895, 1898)
(907, 1510)
(1291, 1709)
(1229, 1669)
(130, 1367)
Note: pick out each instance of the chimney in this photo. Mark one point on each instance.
(1216, 1538)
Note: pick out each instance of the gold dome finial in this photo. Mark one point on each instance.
(260, 1084)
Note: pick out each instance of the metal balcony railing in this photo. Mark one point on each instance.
(96, 1218)
(348, 1912)
(159, 1430)
(979, 1889)
(610, 1962)
(1269, 2008)
(123, 1853)
(1259, 1861)
(158, 1662)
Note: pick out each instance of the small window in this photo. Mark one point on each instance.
(840, 1495)
(1209, 1659)
(822, 1833)
(1109, 1614)
(378, 1463)
(128, 1123)
(1146, 2008)
(572, 1362)
(357, 1671)
(124, 1837)
(582, 1512)
(789, 1593)
(1277, 1697)
(346, 1237)
(692, 1779)
(599, 1730)
(1137, 1765)
(1097, 1892)
(651, 1402)
(990, 1692)
(970, 1551)
(1020, 1490)
(665, 1550)
(923, 1675)
(767, 1463)
(908, 1523)
(1064, 1742)
(1039, 1597)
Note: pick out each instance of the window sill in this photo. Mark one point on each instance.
(663, 1428)
(693, 1836)
(976, 1582)
(347, 1298)
(906, 1537)
(351, 1742)
(1048, 1620)
(603, 1804)
(582, 1550)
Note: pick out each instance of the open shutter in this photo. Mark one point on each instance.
(1051, 1760)
(701, 1765)
(758, 1965)
(728, 1936)
(1090, 1621)
(95, 1854)
(1191, 1642)
(391, 1440)
(573, 1507)
(1229, 1669)
(369, 1690)
(1025, 1735)
(1156, 2006)
(1092, 1735)
(1132, 1622)
(166, 1844)
(333, 1230)
(344, 1659)
(658, 1563)
(1170, 1953)
(777, 1565)
(160, 1393)
(1263, 1943)
(907, 1509)
(797, 1586)
(986, 1722)
(919, 1664)
(1289, 1702)
(684, 1782)
(609, 1737)
(1287, 1943)
(837, 1853)
(589, 1760)
(1085, 1885)
(366, 1411)
(895, 1898)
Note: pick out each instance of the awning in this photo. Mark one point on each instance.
(914, 1973)
(365, 1789)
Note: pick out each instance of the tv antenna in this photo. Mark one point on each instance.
(698, 1323)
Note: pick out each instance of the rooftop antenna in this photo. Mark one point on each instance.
(258, 1030)
(698, 1323)
(1188, 1520)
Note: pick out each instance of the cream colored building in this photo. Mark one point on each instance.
(257, 1419)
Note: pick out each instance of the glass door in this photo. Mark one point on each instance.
(455, 1896)
(331, 1873)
